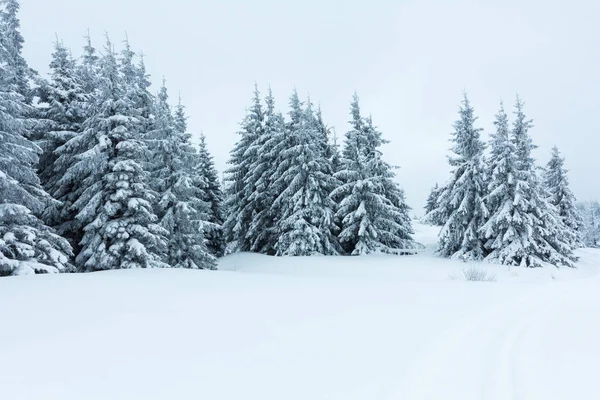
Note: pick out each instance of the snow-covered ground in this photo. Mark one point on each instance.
(382, 327)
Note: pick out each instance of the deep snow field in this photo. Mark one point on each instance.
(380, 327)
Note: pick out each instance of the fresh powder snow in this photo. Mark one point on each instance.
(371, 327)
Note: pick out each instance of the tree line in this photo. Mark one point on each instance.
(97, 172)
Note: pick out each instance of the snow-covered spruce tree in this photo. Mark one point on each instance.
(69, 187)
(400, 238)
(461, 208)
(330, 150)
(523, 228)
(305, 212)
(137, 82)
(432, 204)
(27, 245)
(557, 184)
(263, 172)
(115, 205)
(336, 158)
(371, 206)
(213, 197)
(207, 181)
(333, 162)
(62, 112)
(182, 211)
(238, 189)
(502, 164)
(12, 41)
(88, 71)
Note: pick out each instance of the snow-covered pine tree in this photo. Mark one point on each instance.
(401, 236)
(431, 205)
(523, 228)
(69, 187)
(238, 188)
(460, 205)
(88, 69)
(213, 197)
(371, 206)
(12, 41)
(62, 112)
(336, 158)
(27, 245)
(115, 205)
(263, 172)
(305, 212)
(329, 148)
(332, 162)
(137, 82)
(182, 211)
(501, 188)
(557, 184)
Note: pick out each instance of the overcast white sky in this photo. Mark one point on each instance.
(408, 60)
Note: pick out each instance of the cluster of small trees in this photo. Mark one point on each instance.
(499, 206)
(590, 212)
(290, 192)
(96, 172)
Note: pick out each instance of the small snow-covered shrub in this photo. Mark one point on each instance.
(474, 274)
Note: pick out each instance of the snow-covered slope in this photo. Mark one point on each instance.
(304, 328)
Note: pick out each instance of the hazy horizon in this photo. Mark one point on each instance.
(409, 61)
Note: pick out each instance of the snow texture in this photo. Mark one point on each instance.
(373, 327)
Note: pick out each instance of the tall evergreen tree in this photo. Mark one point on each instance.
(263, 172)
(27, 245)
(561, 197)
(62, 114)
(12, 41)
(88, 69)
(371, 206)
(305, 223)
(461, 204)
(115, 205)
(137, 82)
(336, 158)
(501, 187)
(238, 189)
(182, 211)
(207, 182)
(213, 197)
(68, 187)
(524, 228)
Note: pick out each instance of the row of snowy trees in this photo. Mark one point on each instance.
(290, 192)
(498, 205)
(96, 172)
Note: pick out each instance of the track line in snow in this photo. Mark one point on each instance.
(479, 359)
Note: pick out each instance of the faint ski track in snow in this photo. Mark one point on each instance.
(491, 356)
